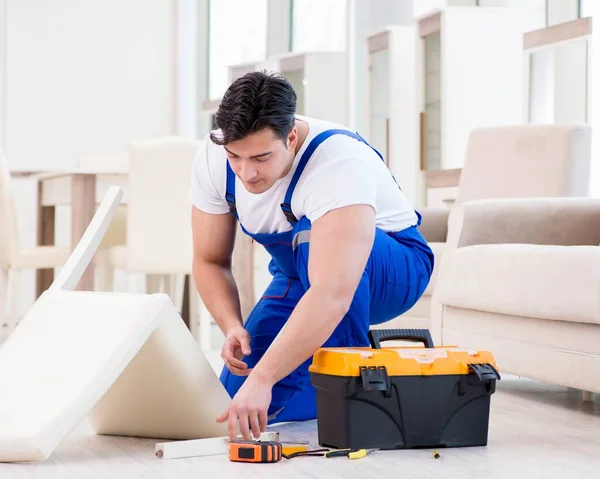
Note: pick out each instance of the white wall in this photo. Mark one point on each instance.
(85, 77)
(326, 89)
(404, 107)
(364, 18)
(319, 25)
(560, 11)
(570, 82)
(482, 72)
(278, 27)
(540, 101)
(187, 67)
(423, 7)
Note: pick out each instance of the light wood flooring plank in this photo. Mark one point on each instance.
(536, 431)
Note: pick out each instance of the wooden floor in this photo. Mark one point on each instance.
(536, 431)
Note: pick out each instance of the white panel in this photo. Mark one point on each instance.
(278, 27)
(570, 82)
(187, 70)
(587, 8)
(482, 73)
(326, 86)
(404, 115)
(462, 3)
(84, 77)
(319, 25)
(423, 7)
(561, 11)
(536, 5)
(541, 86)
(297, 80)
(432, 99)
(366, 18)
(235, 38)
(379, 101)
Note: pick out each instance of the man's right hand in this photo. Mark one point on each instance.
(236, 346)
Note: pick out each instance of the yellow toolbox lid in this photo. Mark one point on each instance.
(399, 361)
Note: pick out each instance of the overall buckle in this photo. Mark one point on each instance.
(231, 202)
(287, 211)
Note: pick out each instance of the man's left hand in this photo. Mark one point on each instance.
(249, 406)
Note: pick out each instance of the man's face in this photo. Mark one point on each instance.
(261, 158)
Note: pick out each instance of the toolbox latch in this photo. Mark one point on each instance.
(484, 371)
(374, 378)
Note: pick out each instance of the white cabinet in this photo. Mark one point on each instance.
(471, 76)
(430, 84)
(393, 107)
(320, 80)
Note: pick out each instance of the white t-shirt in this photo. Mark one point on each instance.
(342, 171)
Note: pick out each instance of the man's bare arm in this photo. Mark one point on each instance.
(214, 238)
(340, 245)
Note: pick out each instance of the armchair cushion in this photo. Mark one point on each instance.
(538, 281)
(548, 221)
(434, 224)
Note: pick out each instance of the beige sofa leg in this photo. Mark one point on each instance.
(587, 396)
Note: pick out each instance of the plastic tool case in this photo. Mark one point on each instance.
(403, 397)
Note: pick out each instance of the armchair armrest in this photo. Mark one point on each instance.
(434, 224)
(547, 221)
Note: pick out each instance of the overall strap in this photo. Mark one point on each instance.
(230, 191)
(316, 141)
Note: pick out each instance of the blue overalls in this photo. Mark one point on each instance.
(397, 273)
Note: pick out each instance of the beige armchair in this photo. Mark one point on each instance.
(524, 161)
(524, 283)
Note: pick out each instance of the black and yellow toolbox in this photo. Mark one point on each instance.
(403, 396)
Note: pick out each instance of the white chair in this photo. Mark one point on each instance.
(111, 161)
(158, 225)
(114, 162)
(13, 258)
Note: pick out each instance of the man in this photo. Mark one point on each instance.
(345, 248)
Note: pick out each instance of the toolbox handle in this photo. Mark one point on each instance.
(376, 336)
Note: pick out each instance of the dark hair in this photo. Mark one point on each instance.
(253, 102)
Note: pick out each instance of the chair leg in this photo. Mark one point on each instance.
(153, 283)
(587, 396)
(104, 278)
(136, 283)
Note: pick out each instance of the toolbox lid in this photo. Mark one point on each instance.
(399, 361)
